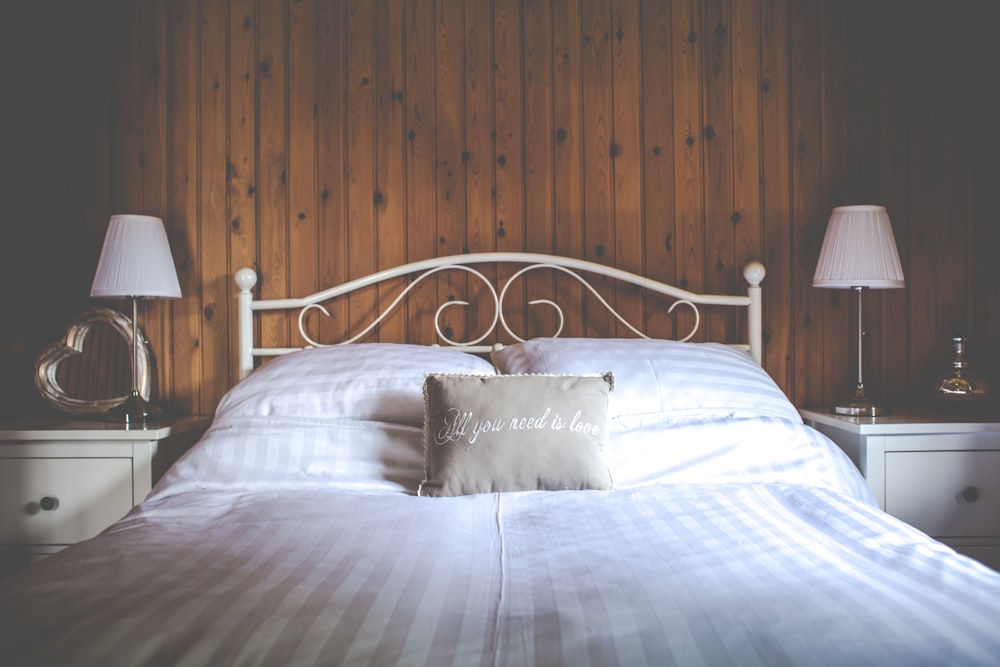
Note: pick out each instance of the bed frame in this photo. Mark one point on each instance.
(246, 279)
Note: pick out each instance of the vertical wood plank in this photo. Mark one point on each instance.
(688, 149)
(478, 156)
(448, 120)
(893, 163)
(719, 255)
(241, 164)
(420, 194)
(126, 121)
(302, 185)
(183, 204)
(776, 165)
(598, 116)
(927, 208)
(390, 154)
(331, 160)
(747, 130)
(509, 145)
(626, 156)
(836, 310)
(152, 172)
(983, 238)
(95, 110)
(567, 158)
(538, 181)
(126, 161)
(808, 222)
(360, 186)
(272, 147)
(213, 229)
(658, 164)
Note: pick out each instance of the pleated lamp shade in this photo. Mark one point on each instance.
(135, 260)
(859, 250)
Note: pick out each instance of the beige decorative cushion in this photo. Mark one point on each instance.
(514, 433)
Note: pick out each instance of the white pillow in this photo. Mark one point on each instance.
(658, 382)
(348, 416)
(365, 381)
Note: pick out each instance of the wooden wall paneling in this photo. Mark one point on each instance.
(718, 256)
(626, 155)
(835, 311)
(567, 154)
(241, 163)
(421, 237)
(272, 147)
(492, 126)
(478, 158)
(952, 223)
(390, 172)
(126, 119)
(808, 221)
(213, 219)
(89, 99)
(989, 350)
(183, 173)
(747, 148)
(95, 110)
(890, 80)
(302, 178)
(598, 183)
(977, 117)
(508, 92)
(153, 164)
(331, 159)
(776, 166)
(985, 347)
(126, 156)
(930, 217)
(362, 243)
(539, 214)
(58, 177)
(449, 115)
(688, 149)
(657, 35)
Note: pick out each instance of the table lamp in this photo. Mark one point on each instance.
(135, 263)
(859, 253)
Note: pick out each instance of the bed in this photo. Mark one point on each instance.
(549, 501)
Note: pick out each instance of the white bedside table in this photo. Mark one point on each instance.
(62, 481)
(938, 471)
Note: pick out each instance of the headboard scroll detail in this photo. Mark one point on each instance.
(246, 280)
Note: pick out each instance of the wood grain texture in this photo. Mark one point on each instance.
(320, 140)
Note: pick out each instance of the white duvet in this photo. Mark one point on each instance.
(293, 536)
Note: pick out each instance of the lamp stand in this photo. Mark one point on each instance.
(860, 405)
(134, 411)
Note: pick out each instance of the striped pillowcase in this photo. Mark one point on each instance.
(659, 382)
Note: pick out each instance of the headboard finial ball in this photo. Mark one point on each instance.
(246, 278)
(754, 273)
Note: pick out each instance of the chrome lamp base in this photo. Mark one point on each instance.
(134, 412)
(861, 406)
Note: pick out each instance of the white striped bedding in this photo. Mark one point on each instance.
(704, 574)
(292, 535)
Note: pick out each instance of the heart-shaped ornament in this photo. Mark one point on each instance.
(46, 369)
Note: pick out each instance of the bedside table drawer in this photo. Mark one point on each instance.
(945, 493)
(61, 501)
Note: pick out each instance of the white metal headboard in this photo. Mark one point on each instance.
(246, 279)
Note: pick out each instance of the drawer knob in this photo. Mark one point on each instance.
(48, 503)
(969, 494)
